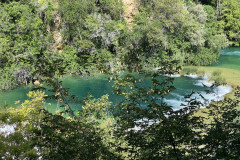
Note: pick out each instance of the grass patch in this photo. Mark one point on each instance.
(216, 76)
(230, 76)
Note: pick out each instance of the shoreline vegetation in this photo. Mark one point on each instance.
(85, 37)
(188, 71)
(224, 76)
(47, 39)
(220, 75)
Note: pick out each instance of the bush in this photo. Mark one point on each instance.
(216, 73)
(220, 80)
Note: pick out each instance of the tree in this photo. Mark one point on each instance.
(38, 133)
(230, 20)
(142, 125)
(221, 140)
(18, 143)
(151, 128)
(22, 38)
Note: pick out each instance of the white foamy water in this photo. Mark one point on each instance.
(172, 75)
(191, 76)
(177, 95)
(176, 104)
(220, 91)
(205, 98)
(204, 82)
(232, 53)
(144, 121)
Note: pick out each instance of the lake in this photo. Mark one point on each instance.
(100, 85)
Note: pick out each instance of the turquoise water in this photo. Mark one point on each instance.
(100, 85)
(230, 58)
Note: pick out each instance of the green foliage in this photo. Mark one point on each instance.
(229, 22)
(33, 31)
(38, 133)
(23, 36)
(143, 127)
(190, 70)
(96, 38)
(24, 120)
(91, 36)
(187, 70)
(73, 15)
(216, 76)
(222, 135)
(219, 80)
(111, 7)
(153, 130)
(184, 33)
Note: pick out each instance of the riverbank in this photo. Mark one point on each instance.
(230, 76)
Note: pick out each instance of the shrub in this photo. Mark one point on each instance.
(216, 73)
(220, 80)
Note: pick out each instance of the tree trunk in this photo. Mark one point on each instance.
(219, 9)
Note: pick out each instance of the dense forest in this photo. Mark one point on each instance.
(83, 37)
(42, 40)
